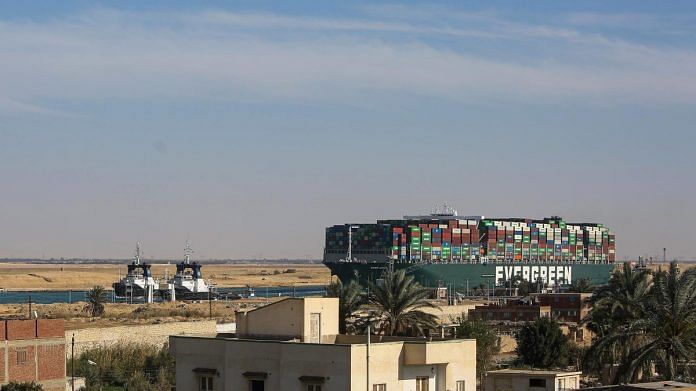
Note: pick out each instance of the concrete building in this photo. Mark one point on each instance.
(294, 345)
(566, 307)
(531, 380)
(311, 319)
(514, 312)
(33, 350)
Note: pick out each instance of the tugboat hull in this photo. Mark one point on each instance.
(185, 294)
(123, 290)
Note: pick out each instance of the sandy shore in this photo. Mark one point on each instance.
(16, 276)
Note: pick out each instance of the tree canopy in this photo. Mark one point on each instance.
(643, 320)
(399, 302)
(486, 338)
(541, 344)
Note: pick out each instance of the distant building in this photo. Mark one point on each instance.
(33, 350)
(530, 380)
(566, 307)
(294, 344)
(511, 312)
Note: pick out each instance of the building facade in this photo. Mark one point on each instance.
(531, 380)
(566, 307)
(301, 350)
(510, 312)
(33, 350)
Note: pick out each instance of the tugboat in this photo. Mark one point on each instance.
(188, 282)
(137, 280)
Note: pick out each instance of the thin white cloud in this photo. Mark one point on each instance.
(223, 55)
(12, 106)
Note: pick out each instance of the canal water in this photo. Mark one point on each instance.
(50, 297)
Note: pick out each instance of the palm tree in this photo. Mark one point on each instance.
(399, 302)
(349, 300)
(620, 300)
(584, 285)
(96, 297)
(665, 332)
(615, 305)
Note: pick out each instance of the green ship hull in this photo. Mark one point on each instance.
(462, 276)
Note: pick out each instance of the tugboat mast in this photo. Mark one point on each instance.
(187, 252)
(136, 260)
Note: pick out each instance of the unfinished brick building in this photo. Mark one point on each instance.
(33, 350)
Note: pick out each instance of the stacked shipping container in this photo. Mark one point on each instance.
(454, 239)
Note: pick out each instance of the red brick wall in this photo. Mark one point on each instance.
(51, 361)
(50, 328)
(2, 330)
(21, 329)
(21, 372)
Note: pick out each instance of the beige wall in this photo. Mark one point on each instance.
(290, 318)
(396, 364)
(520, 382)
(284, 362)
(448, 314)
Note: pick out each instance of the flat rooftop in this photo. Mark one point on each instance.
(532, 372)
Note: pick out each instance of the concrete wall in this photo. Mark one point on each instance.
(289, 319)
(448, 314)
(283, 363)
(342, 366)
(155, 334)
(520, 382)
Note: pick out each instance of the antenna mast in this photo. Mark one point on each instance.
(137, 253)
(187, 252)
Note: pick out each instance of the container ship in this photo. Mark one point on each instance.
(444, 248)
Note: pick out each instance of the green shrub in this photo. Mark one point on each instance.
(132, 366)
(27, 386)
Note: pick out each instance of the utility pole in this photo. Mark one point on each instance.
(664, 256)
(29, 306)
(72, 362)
(210, 306)
(367, 357)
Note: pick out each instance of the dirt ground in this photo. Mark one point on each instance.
(14, 276)
(120, 314)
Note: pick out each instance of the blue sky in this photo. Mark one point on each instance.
(248, 127)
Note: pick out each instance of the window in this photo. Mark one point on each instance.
(313, 387)
(379, 387)
(421, 384)
(206, 383)
(256, 385)
(537, 383)
(21, 356)
(460, 385)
